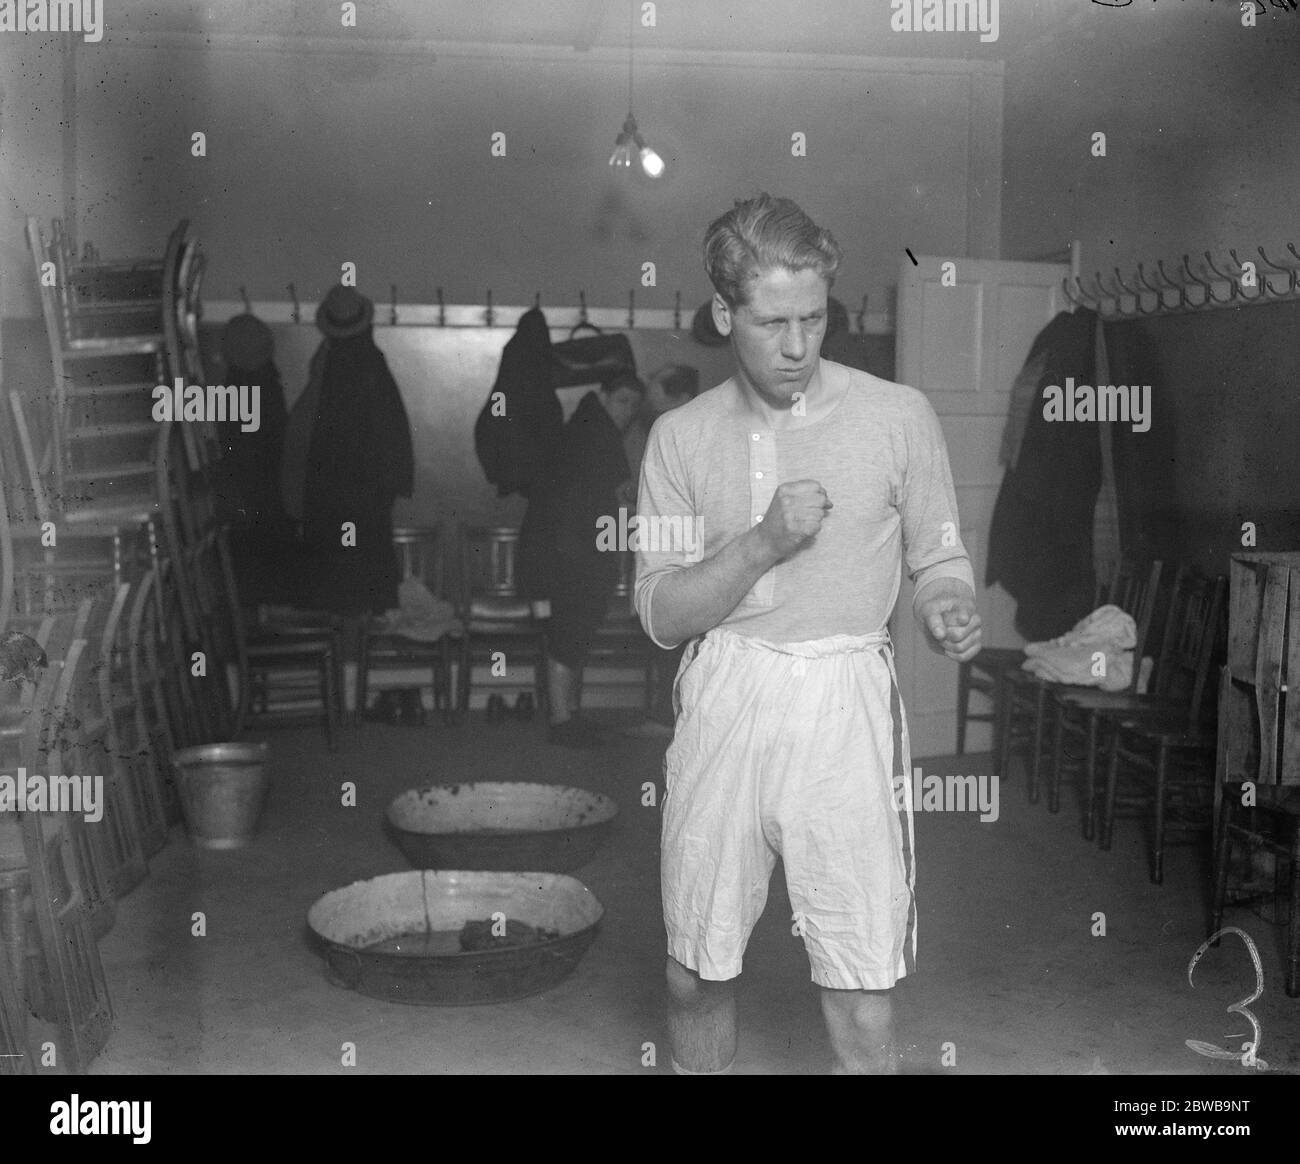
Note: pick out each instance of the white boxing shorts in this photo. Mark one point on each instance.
(792, 750)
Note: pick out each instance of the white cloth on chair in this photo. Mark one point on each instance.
(421, 615)
(1071, 657)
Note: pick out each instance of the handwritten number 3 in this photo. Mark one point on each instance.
(1249, 1053)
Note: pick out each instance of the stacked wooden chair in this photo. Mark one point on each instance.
(1257, 761)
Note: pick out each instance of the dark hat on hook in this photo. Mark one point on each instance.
(344, 312)
(703, 330)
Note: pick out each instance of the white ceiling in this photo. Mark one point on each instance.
(859, 27)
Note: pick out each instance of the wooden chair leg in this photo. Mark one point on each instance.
(1006, 719)
(1158, 837)
(1058, 758)
(999, 727)
(963, 705)
(1112, 788)
(329, 696)
(363, 674)
(1293, 928)
(1222, 857)
(1090, 780)
(463, 678)
(1036, 758)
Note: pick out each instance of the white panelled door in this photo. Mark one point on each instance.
(963, 346)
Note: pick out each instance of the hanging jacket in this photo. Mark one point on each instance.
(1040, 541)
(519, 427)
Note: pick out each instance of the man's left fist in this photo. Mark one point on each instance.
(947, 611)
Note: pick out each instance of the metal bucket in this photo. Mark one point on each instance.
(223, 790)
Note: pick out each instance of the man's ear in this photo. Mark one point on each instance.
(721, 315)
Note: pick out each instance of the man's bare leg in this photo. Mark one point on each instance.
(861, 1026)
(701, 1020)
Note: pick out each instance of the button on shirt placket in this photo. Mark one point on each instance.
(762, 487)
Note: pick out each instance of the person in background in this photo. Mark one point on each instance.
(667, 388)
(246, 480)
(582, 485)
(348, 457)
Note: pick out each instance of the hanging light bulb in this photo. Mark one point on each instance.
(651, 162)
(622, 155)
(629, 138)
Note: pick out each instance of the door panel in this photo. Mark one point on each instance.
(963, 346)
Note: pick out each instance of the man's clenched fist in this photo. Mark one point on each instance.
(794, 516)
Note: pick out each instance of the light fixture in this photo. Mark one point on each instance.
(629, 138)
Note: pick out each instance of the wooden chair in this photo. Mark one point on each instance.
(100, 425)
(68, 968)
(89, 747)
(493, 613)
(987, 674)
(1165, 757)
(1023, 714)
(152, 677)
(132, 758)
(621, 642)
(419, 552)
(1259, 736)
(1077, 713)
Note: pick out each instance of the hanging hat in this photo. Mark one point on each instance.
(344, 312)
(246, 342)
(703, 330)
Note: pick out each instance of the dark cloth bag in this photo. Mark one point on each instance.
(591, 359)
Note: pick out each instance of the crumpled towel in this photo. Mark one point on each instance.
(1068, 658)
(419, 615)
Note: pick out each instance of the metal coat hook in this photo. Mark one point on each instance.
(582, 307)
(1201, 283)
(631, 310)
(248, 307)
(537, 300)
(1136, 292)
(442, 309)
(1230, 279)
(489, 315)
(1292, 274)
(392, 311)
(677, 311)
(1260, 279)
(1086, 299)
(1171, 285)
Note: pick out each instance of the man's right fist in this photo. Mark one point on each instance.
(794, 516)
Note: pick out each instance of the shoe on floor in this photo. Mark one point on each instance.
(649, 729)
(575, 732)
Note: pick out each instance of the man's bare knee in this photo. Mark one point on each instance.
(688, 990)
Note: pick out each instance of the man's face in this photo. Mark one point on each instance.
(777, 335)
(658, 401)
(623, 405)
